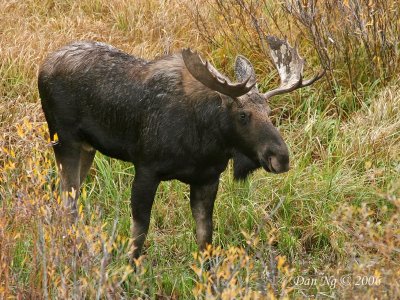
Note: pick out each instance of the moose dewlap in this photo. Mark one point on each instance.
(176, 117)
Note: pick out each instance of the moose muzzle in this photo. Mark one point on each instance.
(276, 161)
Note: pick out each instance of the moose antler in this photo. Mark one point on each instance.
(290, 67)
(211, 78)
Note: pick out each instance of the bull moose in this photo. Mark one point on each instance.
(176, 117)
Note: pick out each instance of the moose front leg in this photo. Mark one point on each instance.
(202, 199)
(144, 188)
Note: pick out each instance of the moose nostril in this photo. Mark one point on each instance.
(270, 165)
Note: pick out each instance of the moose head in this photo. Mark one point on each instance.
(258, 142)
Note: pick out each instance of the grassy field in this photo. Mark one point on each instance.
(329, 228)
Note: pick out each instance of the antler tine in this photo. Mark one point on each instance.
(208, 75)
(314, 79)
(290, 67)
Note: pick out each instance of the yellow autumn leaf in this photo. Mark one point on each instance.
(28, 124)
(281, 262)
(84, 194)
(55, 139)
(20, 132)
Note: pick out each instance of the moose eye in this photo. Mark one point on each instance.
(244, 117)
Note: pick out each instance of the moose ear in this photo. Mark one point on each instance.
(244, 69)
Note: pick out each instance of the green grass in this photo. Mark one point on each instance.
(327, 173)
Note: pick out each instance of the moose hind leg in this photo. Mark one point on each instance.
(202, 199)
(68, 162)
(86, 160)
